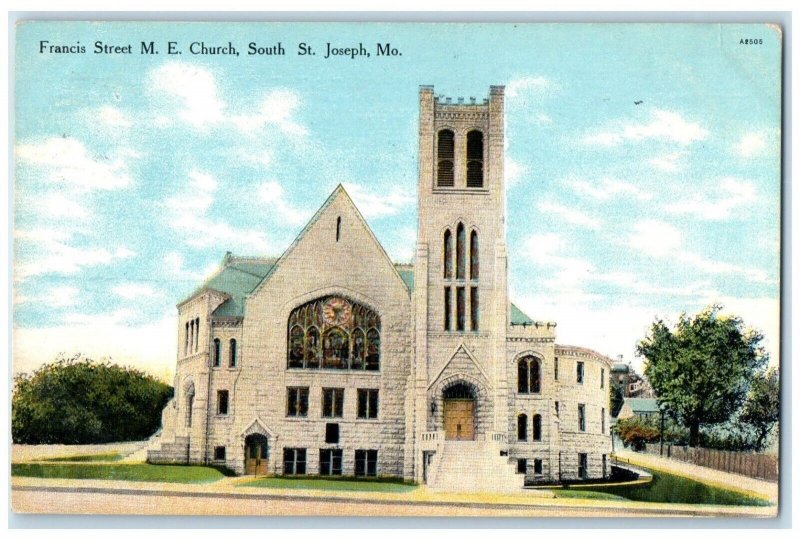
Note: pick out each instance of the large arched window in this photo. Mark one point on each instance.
(232, 353)
(475, 159)
(522, 427)
(447, 254)
(537, 427)
(334, 333)
(444, 158)
(529, 375)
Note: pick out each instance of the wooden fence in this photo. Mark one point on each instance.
(750, 464)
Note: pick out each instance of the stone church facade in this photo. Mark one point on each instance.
(334, 360)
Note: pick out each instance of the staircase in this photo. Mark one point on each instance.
(474, 466)
(170, 452)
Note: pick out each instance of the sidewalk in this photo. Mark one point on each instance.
(734, 482)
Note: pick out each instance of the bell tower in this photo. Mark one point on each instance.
(460, 294)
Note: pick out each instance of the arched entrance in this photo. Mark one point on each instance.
(256, 454)
(459, 413)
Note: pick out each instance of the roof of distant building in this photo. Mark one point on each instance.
(642, 405)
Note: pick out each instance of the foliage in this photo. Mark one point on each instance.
(617, 399)
(702, 369)
(79, 401)
(762, 409)
(135, 472)
(634, 432)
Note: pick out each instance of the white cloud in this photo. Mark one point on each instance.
(717, 203)
(514, 171)
(668, 162)
(196, 93)
(113, 117)
(375, 205)
(67, 162)
(133, 291)
(194, 88)
(663, 125)
(189, 215)
(271, 193)
(517, 87)
(60, 206)
(150, 347)
(570, 215)
(751, 145)
(606, 189)
(51, 255)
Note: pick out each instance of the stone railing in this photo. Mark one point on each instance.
(500, 438)
(432, 440)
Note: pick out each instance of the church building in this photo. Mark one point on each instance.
(333, 360)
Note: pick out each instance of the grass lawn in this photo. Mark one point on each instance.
(331, 485)
(110, 456)
(585, 494)
(141, 472)
(668, 488)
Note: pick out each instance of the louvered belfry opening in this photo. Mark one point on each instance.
(475, 159)
(445, 156)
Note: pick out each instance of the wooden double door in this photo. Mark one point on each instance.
(256, 455)
(459, 419)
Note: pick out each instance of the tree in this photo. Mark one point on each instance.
(702, 369)
(762, 408)
(634, 432)
(617, 399)
(78, 401)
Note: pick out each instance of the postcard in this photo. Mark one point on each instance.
(379, 269)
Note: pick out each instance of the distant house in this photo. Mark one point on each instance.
(644, 408)
(633, 385)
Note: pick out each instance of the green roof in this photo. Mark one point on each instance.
(406, 272)
(639, 405)
(516, 316)
(619, 367)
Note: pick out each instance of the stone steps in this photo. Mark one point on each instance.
(176, 451)
(475, 466)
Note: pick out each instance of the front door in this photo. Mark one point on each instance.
(459, 419)
(256, 457)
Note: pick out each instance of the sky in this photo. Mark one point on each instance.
(642, 169)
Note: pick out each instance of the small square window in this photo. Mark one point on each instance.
(219, 453)
(330, 462)
(367, 403)
(366, 463)
(297, 401)
(332, 433)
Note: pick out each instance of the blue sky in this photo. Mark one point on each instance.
(136, 173)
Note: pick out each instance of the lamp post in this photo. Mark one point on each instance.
(662, 407)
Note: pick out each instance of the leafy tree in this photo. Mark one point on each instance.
(635, 432)
(617, 399)
(762, 408)
(702, 369)
(78, 401)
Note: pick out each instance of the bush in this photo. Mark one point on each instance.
(78, 401)
(634, 432)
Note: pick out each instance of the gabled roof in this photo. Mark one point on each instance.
(641, 405)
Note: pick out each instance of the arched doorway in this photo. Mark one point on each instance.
(256, 454)
(459, 413)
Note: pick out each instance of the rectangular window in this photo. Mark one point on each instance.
(583, 469)
(330, 462)
(582, 417)
(219, 453)
(222, 402)
(297, 401)
(332, 402)
(555, 369)
(603, 420)
(294, 461)
(447, 309)
(605, 465)
(474, 308)
(602, 377)
(332, 433)
(461, 300)
(537, 466)
(366, 463)
(367, 403)
(522, 466)
(580, 372)
(556, 409)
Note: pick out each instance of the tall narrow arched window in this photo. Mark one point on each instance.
(461, 251)
(537, 427)
(197, 334)
(189, 397)
(473, 255)
(447, 253)
(338, 228)
(216, 358)
(444, 158)
(529, 375)
(186, 341)
(232, 353)
(191, 336)
(522, 427)
(475, 159)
